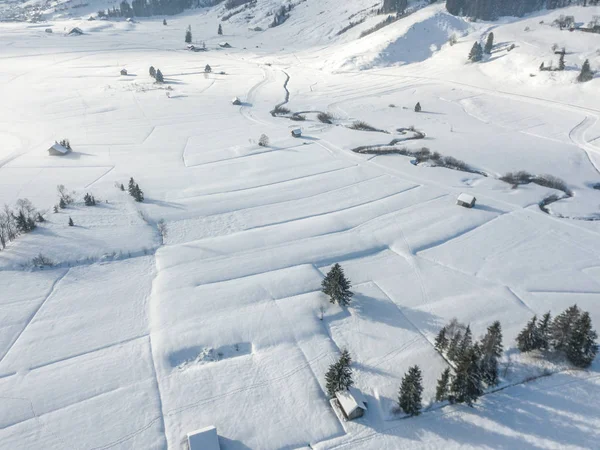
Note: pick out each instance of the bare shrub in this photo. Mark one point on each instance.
(263, 141)
(64, 195)
(41, 261)
(161, 225)
(298, 118)
(452, 39)
(363, 126)
(517, 178)
(553, 182)
(325, 117)
(280, 111)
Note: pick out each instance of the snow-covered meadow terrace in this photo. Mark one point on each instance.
(112, 347)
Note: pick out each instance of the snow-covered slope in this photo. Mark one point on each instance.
(132, 339)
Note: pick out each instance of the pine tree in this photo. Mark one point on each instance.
(489, 44)
(409, 397)
(207, 69)
(131, 187)
(138, 194)
(336, 286)
(89, 200)
(466, 385)
(582, 347)
(562, 326)
(543, 331)
(465, 343)
(332, 379)
(159, 76)
(62, 204)
(542, 67)
(122, 187)
(453, 347)
(345, 370)
(491, 351)
(71, 222)
(586, 73)
(188, 35)
(528, 340)
(339, 376)
(476, 52)
(164, 21)
(418, 107)
(220, 30)
(561, 61)
(441, 341)
(441, 391)
(152, 71)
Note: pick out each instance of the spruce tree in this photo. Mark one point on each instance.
(418, 107)
(339, 375)
(71, 223)
(138, 194)
(441, 341)
(441, 391)
(586, 73)
(542, 66)
(454, 346)
(164, 21)
(409, 397)
(527, 340)
(491, 351)
(543, 331)
(332, 378)
(562, 326)
(207, 69)
(122, 187)
(465, 343)
(476, 52)
(466, 385)
(152, 71)
(336, 286)
(561, 61)
(188, 35)
(62, 204)
(159, 76)
(582, 348)
(131, 187)
(489, 44)
(220, 30)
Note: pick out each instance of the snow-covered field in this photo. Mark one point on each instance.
(131, 339)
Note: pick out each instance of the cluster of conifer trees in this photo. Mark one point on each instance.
(492, 9)
(135, 191)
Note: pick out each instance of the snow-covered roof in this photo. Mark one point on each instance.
(297, 131)
(466, 198)
(204, 439)
(351, 399)
(76, 30)
(59, 148)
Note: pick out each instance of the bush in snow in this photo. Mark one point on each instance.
(418, 107)
(152, 71)
(586, 73)
(263, 141)
(64, 196)
(41, 261)
(452, 39)
(280, 110)
(207, 69)
(476, 52)
(89, 200)
(363, 126)
(336, 286)
(71, 223)
(325, 117)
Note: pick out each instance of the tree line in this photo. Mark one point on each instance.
(492, 9)
(144, 8)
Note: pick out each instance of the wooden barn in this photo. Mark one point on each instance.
(466, 200)
(352, 402)
(204, 439)
(297, 132)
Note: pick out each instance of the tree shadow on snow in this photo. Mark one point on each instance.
(164, 203)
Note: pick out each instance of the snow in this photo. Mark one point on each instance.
(131, 339)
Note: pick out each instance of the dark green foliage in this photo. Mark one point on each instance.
(454, 347)
(339, 375)
(62, 204)
(337, 286)
(71, 223)
(465, 343)
(586, 73)
(476, 52)
(220, 30)
(543, 331)
(89, 200)
(561, 62)
(582, 348)
(39, 218)
(122, 187)
(411, 390)
(466, 385)
(394, 6)
(24, 223)
(152, 71)
(418, 107)
(562, 326)
(159, 76)
(207, 69)
(188, 35)
(441, 341)
(443, 384)
(489, 44)
(491, 351)
(164, 21)
(135, 191)
(528, 339)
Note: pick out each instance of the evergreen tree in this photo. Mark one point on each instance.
(528, 340)
(561, 61)
(131, 188)
(476, 52)
(562, 326)
(542, 66)
(466, 385)
(220, 30)
(586, 73)
(418, 107)
(62, 204)
(345, 370)
(331, 379)
(441, 341)
(207, 69)
(454, 346)
(71, 222)
(336, 286)
(441, 391)
(164, 21)
(411, 390)
(582, 347)
(491, 351)
(489, 44)
(465, 343)
(152, 71)
(138, 195)
(339, 375)
(159, 76)
(122, 187)
(188, 35)
(89, 200)
(543, 331)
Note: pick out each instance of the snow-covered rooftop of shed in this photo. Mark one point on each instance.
(467, 198)
(59, 148)
(351, 399)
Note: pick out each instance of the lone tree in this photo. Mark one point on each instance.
(188, 35)
(582, 347)
(561, 61)
(418, 107)
(528, 340)
(164, 21)
(441, 391)
(159, 77)
(71, 223)
(207, 69)
(409, 397)
(339, 376)
(476, 52)
(586, 73)
(263, 141)
(491, 351)
(220, 30)
(337, 286)
(489, 44)
(152, 71)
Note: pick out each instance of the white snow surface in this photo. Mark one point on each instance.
(132, 340)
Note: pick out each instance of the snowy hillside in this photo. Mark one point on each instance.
(201, 305)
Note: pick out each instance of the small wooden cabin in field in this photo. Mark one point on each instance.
(58, 150)
(48, 30)
(204, 439)
(297, 132)
(352, 402)
(123, 71)
(224, 45)
(75, 32)
(466, 200)
(236, 101)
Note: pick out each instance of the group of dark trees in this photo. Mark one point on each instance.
(156, 74)
(89, 199)
(65, 143)
(393, 6)
(144, 8)
(570, 333)
(339, 375)
(21, 220)
(477, 51)
(586, 73)
(492, 9)
(135, 191)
